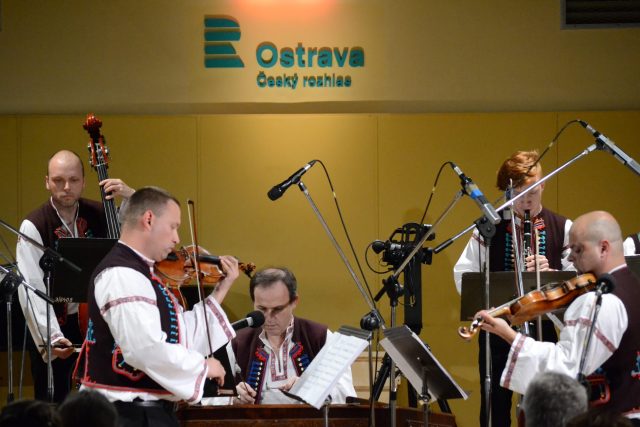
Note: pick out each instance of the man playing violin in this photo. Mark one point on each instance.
(65, 214)
(271, 358)
(596, 247)
(142, 350)
(550, 238)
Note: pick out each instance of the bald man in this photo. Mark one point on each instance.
(65, 214)
(596, 247)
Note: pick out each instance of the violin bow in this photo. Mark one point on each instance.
(196, 266)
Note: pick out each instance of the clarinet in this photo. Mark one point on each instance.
(526, 244)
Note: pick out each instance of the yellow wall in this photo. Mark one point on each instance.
(382, 168)
(146, 57)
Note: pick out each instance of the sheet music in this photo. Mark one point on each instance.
(327, 367)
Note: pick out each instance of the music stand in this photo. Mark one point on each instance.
(502, 288)
(633, 261)
(71, 286)
(420, 367)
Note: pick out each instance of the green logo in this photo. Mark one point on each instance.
(219, 32)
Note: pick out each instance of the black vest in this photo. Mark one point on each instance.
(622, 369)
(636, 242)
(101, 359)
(550, 228)
(90, 223)
(308, 338)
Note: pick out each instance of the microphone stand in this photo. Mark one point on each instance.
(601, 289)
(393, 288)
(374, 319)
(585, 152)
(449, 241)
(47, 263)
(9, 285)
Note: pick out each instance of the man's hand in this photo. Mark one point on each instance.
(216, 370)
(290, 382)
(62, 348)
(496, 326)
(231, 270)
(116, 187)
(543, 263)
(246, 394)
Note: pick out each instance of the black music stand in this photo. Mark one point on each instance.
(71, 286)
(503, 288)
(427, 376)
(633, 261)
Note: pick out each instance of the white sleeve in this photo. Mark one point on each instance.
(344, 387)
(220, 329)
(528, 357)
(34, 307)
(128, 305)
(468, 261)
(566, 249)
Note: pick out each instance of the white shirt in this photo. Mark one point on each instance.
(34, 307)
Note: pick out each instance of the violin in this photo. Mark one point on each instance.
(179, 269)
(548, 298)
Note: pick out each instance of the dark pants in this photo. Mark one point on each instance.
(501, 397)
(146, 414)
(62, 369)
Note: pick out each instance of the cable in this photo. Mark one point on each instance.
(433, 190)
(344, 227)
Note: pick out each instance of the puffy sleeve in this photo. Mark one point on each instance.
(128, 304)
(468, 261)
(34, 307)
(527, 357)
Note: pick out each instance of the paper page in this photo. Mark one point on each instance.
(327, 367)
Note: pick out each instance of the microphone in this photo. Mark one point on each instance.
(472, 190)
(606, 144)
(254, 319)
(278, 190)
(605, 283)
(379, 246)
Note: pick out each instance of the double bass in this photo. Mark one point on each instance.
(99, 160)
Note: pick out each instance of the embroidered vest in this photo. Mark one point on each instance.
(101, 359)
(550, 227)
(91, 222)
(622, 369)
(308, 338)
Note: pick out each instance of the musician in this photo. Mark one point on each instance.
(551, 233)
(596, 247)
(274, 356)
(65, 214)
(142, 350)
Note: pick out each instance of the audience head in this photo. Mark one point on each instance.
(551, 400)
(88, 408)
(30, 413)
